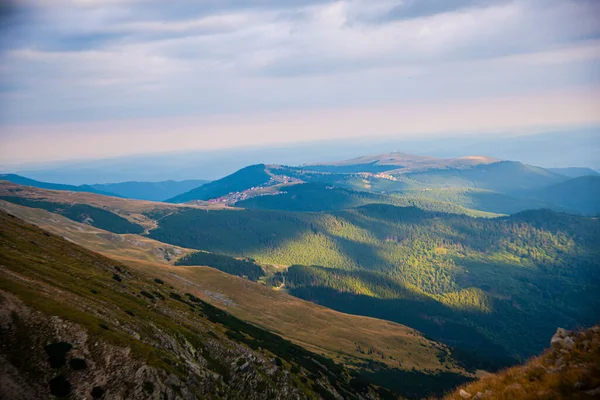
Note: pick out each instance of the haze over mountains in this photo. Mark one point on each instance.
(550, 149)
(477, 183)
(154, 191)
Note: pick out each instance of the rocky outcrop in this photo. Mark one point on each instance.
(43, 355)
(570, 369)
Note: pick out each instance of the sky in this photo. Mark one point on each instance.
(85, 79)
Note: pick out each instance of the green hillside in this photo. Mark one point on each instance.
(243, 179)
(477, 199)
(578, 195)
(491, 287)
(79, 325)
(94, 216)
(503, 177)
(230, 265)
(323, 197)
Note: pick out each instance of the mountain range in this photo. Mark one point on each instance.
(153, 191)
(480, 184)
(376, 277)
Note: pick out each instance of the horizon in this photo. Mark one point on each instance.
(547, 149)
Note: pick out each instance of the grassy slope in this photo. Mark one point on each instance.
(577, 195)
(243, 179)
(504, 177)
(120, 246)
(559, 373)
(321, 197)
(476, 199)
(431, 253)
(59, 278)
(141, 212)
(97, 217)
(539, 267)
(343, 337)
(532, 271)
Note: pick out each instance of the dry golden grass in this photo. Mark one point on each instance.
(319, 329)
(133, 210)
(559, 373)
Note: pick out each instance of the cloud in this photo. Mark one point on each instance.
(89, 60)
(424, 8)
(116, 138)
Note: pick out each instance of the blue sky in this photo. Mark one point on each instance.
(91, 78)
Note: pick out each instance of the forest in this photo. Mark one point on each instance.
(245, 268)
(492, 288)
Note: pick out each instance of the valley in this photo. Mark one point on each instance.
(416, 273)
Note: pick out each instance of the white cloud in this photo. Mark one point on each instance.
(86, 60)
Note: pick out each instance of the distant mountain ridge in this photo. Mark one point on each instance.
(153, 191)
(574, 172)
(577, 195)
(471, 184)
(403, 162)
(21, 180)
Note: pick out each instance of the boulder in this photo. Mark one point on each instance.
(562, 339)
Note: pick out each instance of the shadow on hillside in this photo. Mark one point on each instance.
(438, 322)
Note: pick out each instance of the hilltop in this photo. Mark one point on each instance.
(398, 162)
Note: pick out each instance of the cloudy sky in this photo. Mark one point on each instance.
(99, 78)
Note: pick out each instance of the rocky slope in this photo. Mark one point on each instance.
(570, 369)
(74, 323)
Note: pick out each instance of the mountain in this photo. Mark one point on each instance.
(397, 162)
(245, 178)
(392, 355)
(153, 191)
(473, 199)
(504, 177)
(577, 195)
(488, 289)
(574, 172)
(403, 264)
(569, 369)
(379, 175)
(569, 147)
(78, 324)
(21, 180)
(322, 197)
